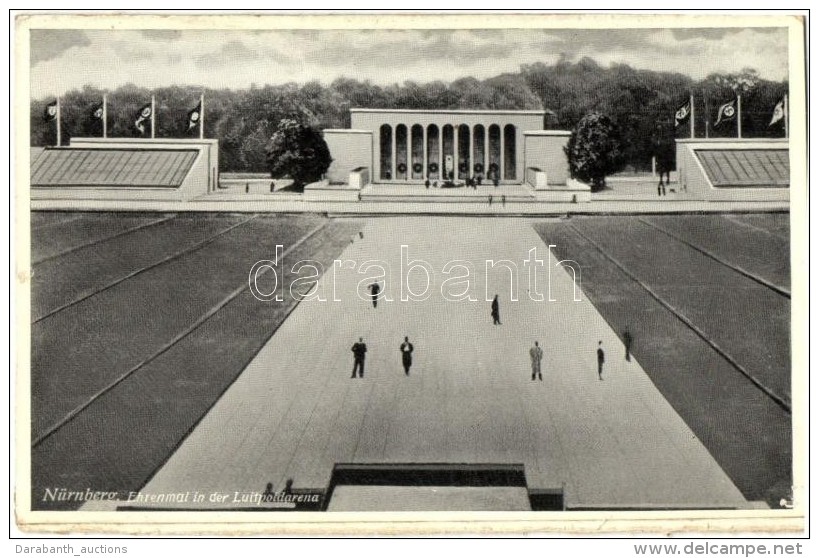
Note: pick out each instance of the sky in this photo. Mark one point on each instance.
(67, 59)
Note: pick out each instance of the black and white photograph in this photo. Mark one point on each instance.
(529, 268)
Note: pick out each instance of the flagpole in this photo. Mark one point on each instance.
(59, 127)
(739, 116)
(202, 116)
(785, 108)
(707, 114)
(105, 116)
(692, 116)
(153, 117)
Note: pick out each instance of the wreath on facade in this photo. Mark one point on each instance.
(479, 167)
(462, 166)
(401, 167)
(493, 167)
(433, 167)
(417, 167)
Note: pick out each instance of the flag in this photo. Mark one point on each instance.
(194, 115)
(143, 115)
(778, 113)
(97, 111)
(726, 112)
(50, 112)
(682, 113)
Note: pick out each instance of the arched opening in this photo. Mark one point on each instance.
(433, 144)
(479, 157)
(464, 156)
(401, 159)
(448, 167)
(385, 160)
(509, 155)
(493, 172)
(416, 169)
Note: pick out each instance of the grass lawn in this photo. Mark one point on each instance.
(743, 428)
(124, 434)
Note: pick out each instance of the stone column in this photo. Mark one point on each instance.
(394, 155)
(440, 151)
(473, 150)
(502, 152)
(425, 162)
(455, 152)
(408, 175)
(485, 150)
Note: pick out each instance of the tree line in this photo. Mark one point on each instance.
(640, 103)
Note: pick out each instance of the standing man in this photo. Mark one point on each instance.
(375, 289)
(601, 358)
(496, 311)
(627, 342)
(359, 350)
(406, 355)
(536, 354)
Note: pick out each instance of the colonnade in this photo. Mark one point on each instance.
(413, 152)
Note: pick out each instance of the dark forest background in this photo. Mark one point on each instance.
(641, 103)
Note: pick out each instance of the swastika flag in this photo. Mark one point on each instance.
(50, 112)
(194, 115)
(142, 115)
(778, 113)
(682, 113)
(728, 111)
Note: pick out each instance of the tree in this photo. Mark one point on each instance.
(594, 150)
(243, 120)
(297, 151)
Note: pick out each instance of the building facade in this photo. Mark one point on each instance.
(406, 146)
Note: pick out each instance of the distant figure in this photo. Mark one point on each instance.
(490, 200)
(663, 168)
(480, 179)
(426, 184)
(406, 355)
(503, 200)
(288, 486)
(627, 342)
(495, 181)
(665, 155)
(360, 234)
(601, 358)
(375, 289)
(536, 354)
(496, 311)
(268, 494)
(388, 175)
(435, 184)
(359, 350)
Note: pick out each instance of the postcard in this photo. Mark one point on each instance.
(393, 273)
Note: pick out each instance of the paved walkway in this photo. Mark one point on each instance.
(294, 412)
(295, 203)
